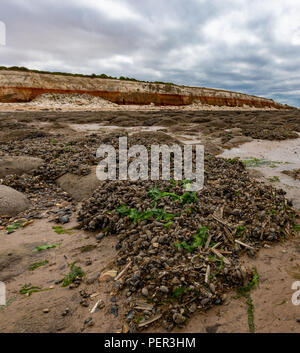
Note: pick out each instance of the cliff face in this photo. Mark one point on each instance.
(18, 86)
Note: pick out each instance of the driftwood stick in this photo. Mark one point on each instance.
(207, 274)
(123, 271)
(208, 241)
(245, 245)
(216, 252)
(157, 317)
(226, 227)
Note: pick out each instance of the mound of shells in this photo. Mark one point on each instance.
(181, 251)
(178, 252)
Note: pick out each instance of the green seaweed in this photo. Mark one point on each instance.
(29, 289)
(45, 247)
(200, 239)
(36, 265)
(187, 198)
(256, 162)
(14, 226)
(135, 215)
(245, 292)
(60, 230)
(75, 272)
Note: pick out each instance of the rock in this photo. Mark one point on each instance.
(88, 320)
(66, 312)
(145, 292)
(205, 301)
(64, 220)
(98, 306)
(235, 131)
(92, 278)
(101, 304)
(192, 308)
(240, 139)
(100, 236)
(164, 289)
(84, 303)
(46, 311)
(178, 319)
(79, 187)
(12, 202)
(89, 262)
(114, 310)
(91, 323)
(18, 165)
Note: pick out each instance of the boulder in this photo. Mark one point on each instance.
(18, 165)
(240, 139)
(236, 131)
(12, 202)
(79, 187)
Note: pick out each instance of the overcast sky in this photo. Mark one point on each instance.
(247, 46)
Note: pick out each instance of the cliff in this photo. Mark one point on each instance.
(17, 86)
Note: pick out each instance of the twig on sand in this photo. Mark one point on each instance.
(216, 252)
(207, 274)
(123, 271)
(227, 227)
(95, 307)
(148, 322)
(245, 245)
(208, 241)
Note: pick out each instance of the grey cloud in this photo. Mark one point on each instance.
(224, 44)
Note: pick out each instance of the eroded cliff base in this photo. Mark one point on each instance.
(86, 102)
(20, 87)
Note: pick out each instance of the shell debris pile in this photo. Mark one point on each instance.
(182, 250)
(178, 251)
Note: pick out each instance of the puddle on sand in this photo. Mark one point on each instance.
(189, 139)
(282, 155)
(99, 127)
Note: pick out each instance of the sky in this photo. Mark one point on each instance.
(246, 46)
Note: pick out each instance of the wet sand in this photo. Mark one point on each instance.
(278, 266)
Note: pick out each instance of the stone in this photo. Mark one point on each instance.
(88, 320)
(235, 131)
(145, 292)
(92, 278)
(18, 165)
(164, 289)
(192, 308)
(79, 187)
(114, 310)
(12, 202)
(240, 139)
(100, 236)
(178, 319)
(64, 219)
